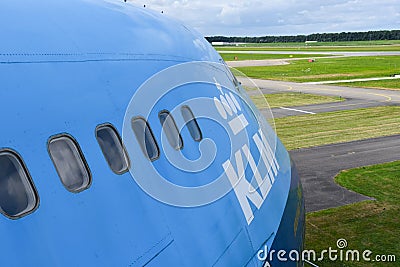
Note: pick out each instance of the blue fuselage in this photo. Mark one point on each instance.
(67, 67)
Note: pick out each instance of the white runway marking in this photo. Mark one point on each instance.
(298, 110)
(356, 80)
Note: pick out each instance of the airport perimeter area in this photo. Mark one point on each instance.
(337, 109)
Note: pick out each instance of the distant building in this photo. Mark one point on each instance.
(311, 42)
(218, 43)
(224, 44)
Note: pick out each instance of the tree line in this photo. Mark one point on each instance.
(319, 37)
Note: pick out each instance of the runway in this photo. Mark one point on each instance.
(355, 97)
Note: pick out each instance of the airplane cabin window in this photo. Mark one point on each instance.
(70, 164)
(113, 150)
(191, 123)
(145, 138)
(170, 129)
(18, 196)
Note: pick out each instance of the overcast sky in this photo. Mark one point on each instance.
(280, 17)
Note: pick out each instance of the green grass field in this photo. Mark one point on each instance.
(383, 84)
(231, 57)
(372, 225)
(291, 100)
(339, 126)
(326, 69)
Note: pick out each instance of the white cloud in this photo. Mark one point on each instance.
(280, 17)
(230, 15)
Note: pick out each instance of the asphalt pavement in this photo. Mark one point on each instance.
(355, 97)
(317, 167)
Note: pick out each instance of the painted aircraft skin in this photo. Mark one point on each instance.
(70, 66)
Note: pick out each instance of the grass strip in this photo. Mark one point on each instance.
(372, 225)
(339, 126)
(291, 100)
